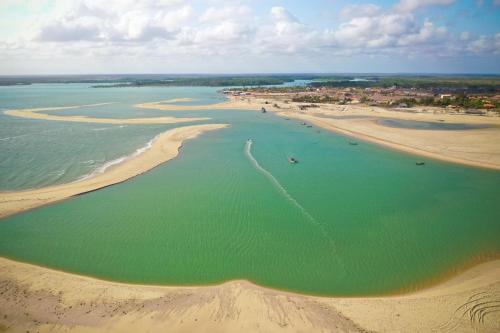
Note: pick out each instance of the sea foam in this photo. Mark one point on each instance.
(117, 161)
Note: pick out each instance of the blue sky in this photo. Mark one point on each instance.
(243, 36)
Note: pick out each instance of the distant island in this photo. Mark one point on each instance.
(470, 82)
(146, 80)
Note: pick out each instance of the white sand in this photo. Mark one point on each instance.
(37, 113)
(42, 300)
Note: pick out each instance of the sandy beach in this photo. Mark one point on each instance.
(38, 299)
(216, 166)
(168, 105)
(160, 104)
(37, 113)
(164, 148)
(472, 147)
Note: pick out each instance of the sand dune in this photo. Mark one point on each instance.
(37, 299)
(165, 147)
(37, 113)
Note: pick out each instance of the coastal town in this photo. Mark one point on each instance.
(436, 100)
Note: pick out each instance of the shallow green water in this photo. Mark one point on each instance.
(345, 220)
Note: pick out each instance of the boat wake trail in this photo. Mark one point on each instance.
(277, 184)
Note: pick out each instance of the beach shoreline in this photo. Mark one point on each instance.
(36, 298)
(401, 147)
(471, 147)
(158, 105)
(49, 300)
(37, 113)
(164, 148)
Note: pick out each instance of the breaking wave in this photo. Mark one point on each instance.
(117, 161)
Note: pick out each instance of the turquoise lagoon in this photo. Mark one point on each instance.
(345, 220)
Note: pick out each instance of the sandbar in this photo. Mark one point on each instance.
(37, 113)
(164, 148)
(159, 105)
(38, 299)
(472, 147)
(168, 106)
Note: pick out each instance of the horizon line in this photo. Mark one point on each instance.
(253, 73)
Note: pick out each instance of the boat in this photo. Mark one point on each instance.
(303, 124)
(353, 143)
(420, 163)
(309, 126)
(292, 160)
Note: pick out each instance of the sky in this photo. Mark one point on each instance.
(254, 36)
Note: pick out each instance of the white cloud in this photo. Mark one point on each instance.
(121, 30)
(411, 5)
(485, 44)
(226, 31)
(352, 11)
(130, 21)
(64, 33)
(214, 14)
(376, 31)
(284, 34)
(428, 34)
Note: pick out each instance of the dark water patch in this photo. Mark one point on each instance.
(428, 125)
(342, 117)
